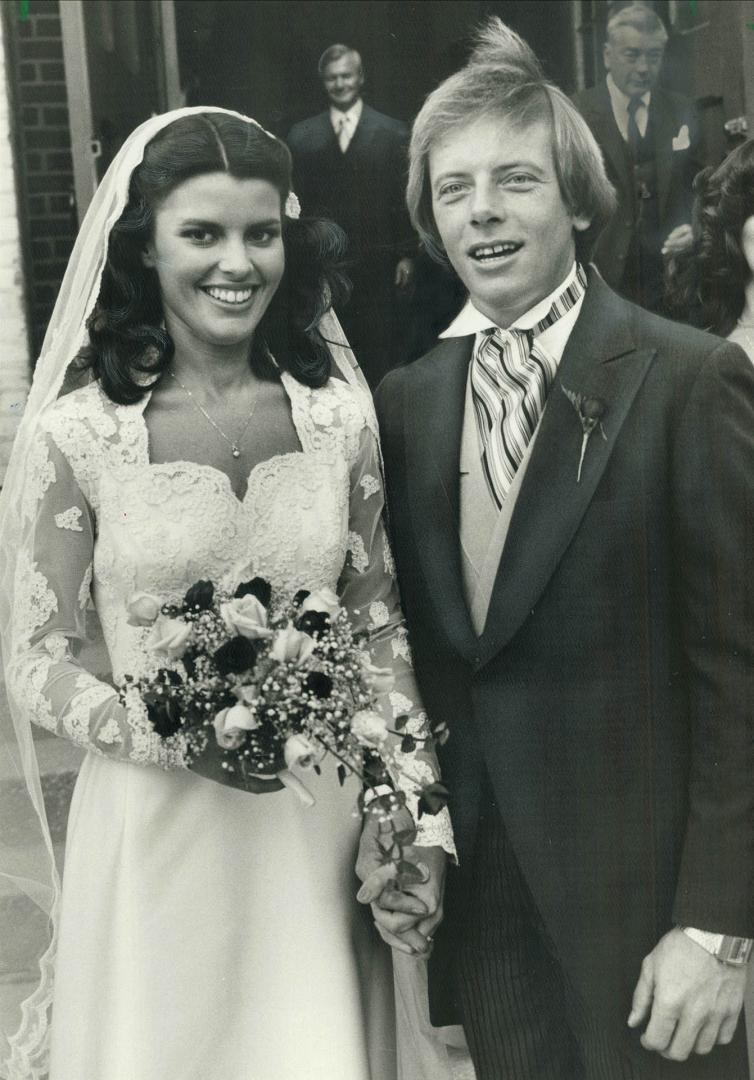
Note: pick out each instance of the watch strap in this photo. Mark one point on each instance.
(727, 948)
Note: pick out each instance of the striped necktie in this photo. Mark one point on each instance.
(510, 379)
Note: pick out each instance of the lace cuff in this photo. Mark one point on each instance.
(436, 831)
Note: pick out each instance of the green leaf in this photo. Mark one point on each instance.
(441, 734)
(385, 847)
(405, 836)
(400, 722)
(433, 798)
(410, 874)
(408, 744)
(342, 774)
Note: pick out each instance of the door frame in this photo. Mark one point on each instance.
(84, 146)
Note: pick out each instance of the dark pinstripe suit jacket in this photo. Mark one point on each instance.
(611, 694)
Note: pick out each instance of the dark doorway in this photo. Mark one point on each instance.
(261, 58)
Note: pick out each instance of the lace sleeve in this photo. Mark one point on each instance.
(53, 579)
(369, 592)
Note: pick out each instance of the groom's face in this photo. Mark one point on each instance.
(500, 213)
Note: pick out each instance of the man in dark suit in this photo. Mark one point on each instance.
(570, 497)
(349, 165)
(648, 137)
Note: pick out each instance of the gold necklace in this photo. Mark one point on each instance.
(232, 443)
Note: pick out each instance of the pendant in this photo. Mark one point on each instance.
(236, 451)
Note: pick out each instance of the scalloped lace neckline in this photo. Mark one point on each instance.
(182, 463)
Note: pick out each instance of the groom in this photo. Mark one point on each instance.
(570, 497)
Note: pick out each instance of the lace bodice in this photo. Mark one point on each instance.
(106, 522)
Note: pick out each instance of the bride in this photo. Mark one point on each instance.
(203, 931)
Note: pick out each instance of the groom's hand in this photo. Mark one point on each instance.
(692, 999)
(405, 919)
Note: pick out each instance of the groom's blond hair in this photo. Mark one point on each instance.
(504, 78)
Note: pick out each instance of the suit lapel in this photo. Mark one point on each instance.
(600, 361)
(325, 135)
(435, 420)
(610, 139)
(363, 134)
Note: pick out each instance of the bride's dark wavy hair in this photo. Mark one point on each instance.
(127, 338)
(712, 275)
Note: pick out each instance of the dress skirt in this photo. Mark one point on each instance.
(212, 933)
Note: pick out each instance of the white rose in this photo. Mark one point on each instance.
(292, 644)
(299, 750)
(228, 740)
(247, 616)
(324, 600)
(171, 636)
(240, 717)
(369, 727)
(379, 679)
(143, 609)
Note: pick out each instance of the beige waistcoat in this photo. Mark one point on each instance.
(484, 528)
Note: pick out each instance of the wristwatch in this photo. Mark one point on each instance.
(727, 949)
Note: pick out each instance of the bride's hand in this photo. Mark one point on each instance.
(209, 764)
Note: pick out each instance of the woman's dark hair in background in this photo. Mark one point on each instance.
(710, 278)
(126, 333)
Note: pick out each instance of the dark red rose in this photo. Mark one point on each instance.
(319, 684)
(313, 623)
(236, 656)
(164, 715)
(199, 597)
(433, 798)
(256, 587)
(593, 408)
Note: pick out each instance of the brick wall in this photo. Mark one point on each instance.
(14, 339)
(43, 138)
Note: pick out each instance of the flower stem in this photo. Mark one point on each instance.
(584, 441)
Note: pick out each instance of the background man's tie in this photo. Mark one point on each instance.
(634, 135)
(344, 137)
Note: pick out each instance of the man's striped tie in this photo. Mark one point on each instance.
(510, 380)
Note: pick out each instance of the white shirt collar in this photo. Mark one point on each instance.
(352, 116)
(619, 102)
(470, 320)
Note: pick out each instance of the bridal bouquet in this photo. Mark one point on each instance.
(276, 689)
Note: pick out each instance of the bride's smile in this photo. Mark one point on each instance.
(217, 250)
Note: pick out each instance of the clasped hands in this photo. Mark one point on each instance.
(405, 919)
(692, 1000)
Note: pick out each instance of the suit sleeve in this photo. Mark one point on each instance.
(713, 465)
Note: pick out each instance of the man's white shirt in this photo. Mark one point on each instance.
(344, 124)
(619, 102)
(553, 340)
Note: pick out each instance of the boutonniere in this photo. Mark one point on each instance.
(590, 411)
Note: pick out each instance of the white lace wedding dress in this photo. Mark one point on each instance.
(206, 933)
